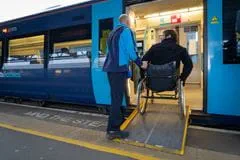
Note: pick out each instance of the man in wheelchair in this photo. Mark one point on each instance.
(169, 51)
(162, 65)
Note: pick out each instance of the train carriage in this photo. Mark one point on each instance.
(57, 55)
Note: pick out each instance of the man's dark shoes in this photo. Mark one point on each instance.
(117, 134)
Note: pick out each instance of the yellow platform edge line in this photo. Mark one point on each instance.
(164, 149)
(88, 145)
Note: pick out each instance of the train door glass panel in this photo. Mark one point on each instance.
(26, 53)
(71, 47)
(189, 38)
(105, 27)
(231, 32)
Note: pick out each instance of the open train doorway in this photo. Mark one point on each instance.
(150, 19)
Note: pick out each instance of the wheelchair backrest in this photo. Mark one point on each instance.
(162, 77)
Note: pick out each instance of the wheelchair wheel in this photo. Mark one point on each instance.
(142, 94)
(181, 100)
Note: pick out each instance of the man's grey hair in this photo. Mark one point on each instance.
(123, 18)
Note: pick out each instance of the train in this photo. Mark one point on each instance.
(57, 55)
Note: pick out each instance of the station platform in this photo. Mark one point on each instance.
(25, 129)
(22, 146)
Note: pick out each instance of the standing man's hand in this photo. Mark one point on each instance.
(183, 82)
(144, 65)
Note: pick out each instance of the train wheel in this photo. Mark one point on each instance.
(42, 103)
(6, 99)
(18, 101)
(104, 110)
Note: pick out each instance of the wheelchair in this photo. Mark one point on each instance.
(157, 79)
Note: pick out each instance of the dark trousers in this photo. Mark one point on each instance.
(117, 81)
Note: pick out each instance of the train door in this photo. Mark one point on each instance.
(104, 18)
(150, 19)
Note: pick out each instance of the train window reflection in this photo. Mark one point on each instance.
(231, 32)
(28, 52)
(70, 54)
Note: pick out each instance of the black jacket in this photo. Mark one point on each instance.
(167, 51)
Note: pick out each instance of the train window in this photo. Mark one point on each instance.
(75, 33)
(231, 32)
(71, 47)
(70, 54)
(105, 27)
(25, 53)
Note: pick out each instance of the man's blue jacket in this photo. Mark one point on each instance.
(121, 50)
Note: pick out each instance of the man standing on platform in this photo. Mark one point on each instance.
(121, 50)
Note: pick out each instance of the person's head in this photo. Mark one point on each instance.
(124, 19)
(170, 34)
